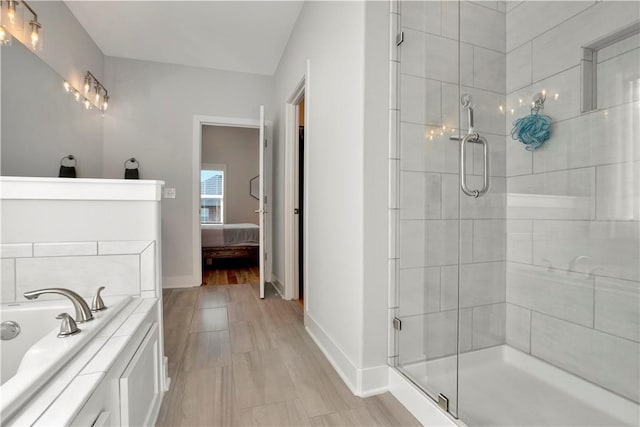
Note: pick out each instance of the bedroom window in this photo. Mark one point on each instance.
(212, 194)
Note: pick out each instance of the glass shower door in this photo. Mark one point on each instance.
(427, 333)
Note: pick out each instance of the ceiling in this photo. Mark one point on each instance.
(245, 36)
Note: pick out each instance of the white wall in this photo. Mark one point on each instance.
(238, 149)
(152, 120)
(331, 35)
(376, 185)
(32, 88)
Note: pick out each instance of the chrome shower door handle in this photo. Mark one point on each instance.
(485, 172)
(477, 139)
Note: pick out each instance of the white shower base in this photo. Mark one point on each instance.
(502, 386)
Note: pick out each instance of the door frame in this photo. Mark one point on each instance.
(196, 237)
(301, 90)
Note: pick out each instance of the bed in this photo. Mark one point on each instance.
(229, 241)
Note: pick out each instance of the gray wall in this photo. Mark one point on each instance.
(152, 120)
(237, 148)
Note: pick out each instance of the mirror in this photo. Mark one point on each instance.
(254, 189)
(41, 122)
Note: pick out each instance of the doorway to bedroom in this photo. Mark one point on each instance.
(229, 205)
(224, 231)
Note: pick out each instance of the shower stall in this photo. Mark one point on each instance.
(515, 250)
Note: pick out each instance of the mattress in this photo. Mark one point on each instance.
(221, 235)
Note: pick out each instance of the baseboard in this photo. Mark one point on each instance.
(419, 404)
(362, 382)
(180, 282)
(275, 281)
(373, 381)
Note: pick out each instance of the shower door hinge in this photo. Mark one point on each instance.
(399, 38)
(443, 402)
(397, 324)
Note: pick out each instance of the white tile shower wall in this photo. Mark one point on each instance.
(560, 48)
(431, 238)
(573, 206)
(123, 267)
(604, 359)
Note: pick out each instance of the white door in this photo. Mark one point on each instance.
(262, 210)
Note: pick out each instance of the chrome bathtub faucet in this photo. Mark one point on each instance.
(83, 312)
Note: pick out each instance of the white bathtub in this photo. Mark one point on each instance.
(32, 358)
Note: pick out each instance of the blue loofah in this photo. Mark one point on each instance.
(532, 130)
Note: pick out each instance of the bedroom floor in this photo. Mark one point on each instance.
(231, 276)
(250, 362)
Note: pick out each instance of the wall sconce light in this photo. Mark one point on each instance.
(5, 37)
(98, 99)
(100, 92)
(12, 13)
(11, 24)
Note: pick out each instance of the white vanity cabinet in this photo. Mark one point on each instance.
(130, 393)
(140, 384)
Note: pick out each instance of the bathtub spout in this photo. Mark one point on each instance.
(83, 312)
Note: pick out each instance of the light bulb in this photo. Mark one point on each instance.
(87, 84)
(556, 96)
(501, 108)
(11, 12)
(76, 95)
(5, 38)
(97, 94)
(105, 103)
(67, 86)
(87, 104)
(34, 39)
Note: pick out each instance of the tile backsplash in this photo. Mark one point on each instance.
(123, 267)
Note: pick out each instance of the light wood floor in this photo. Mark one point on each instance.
(234, 276)
(236, 360)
